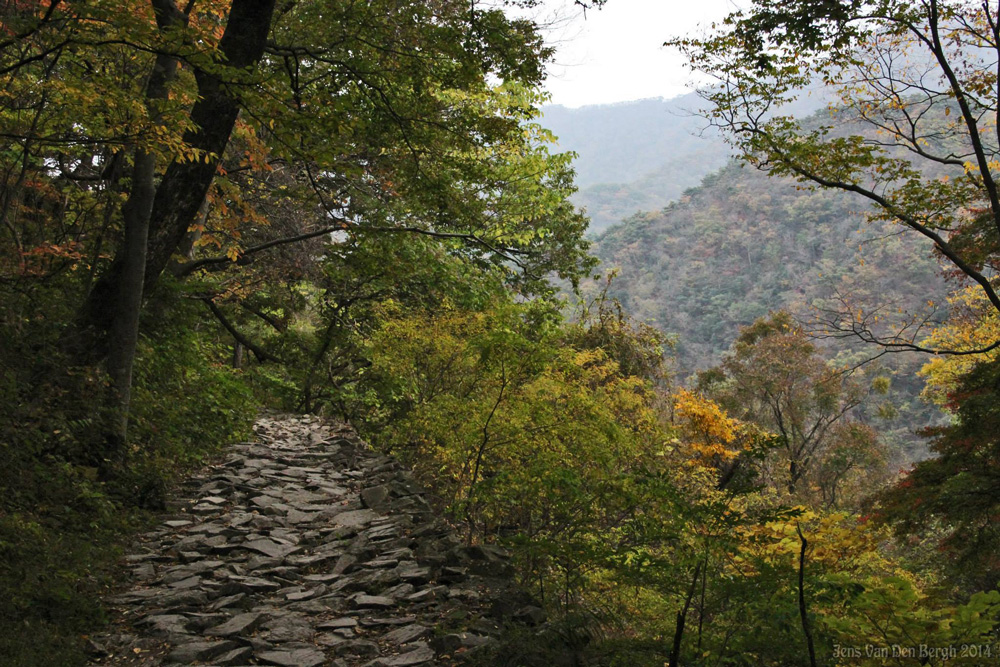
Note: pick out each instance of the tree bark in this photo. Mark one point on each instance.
(793, 476)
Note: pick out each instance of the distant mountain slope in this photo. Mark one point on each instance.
(635, 156)
(743, 244)
(640, 156)
(620, 143)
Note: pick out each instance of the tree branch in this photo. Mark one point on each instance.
(259, 352)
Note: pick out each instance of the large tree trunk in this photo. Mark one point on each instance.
(185, 184)
(123, 331)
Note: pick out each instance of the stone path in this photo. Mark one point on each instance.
(303, 549)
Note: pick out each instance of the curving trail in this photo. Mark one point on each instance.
(306, 548)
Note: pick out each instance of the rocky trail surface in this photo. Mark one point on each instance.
(306, 548)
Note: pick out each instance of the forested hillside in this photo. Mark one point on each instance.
(353, 210)
(742, 244)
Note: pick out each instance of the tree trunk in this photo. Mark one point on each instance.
(803, 616)
(123, 332)
(675, 651)
(793, 475)
(185, 184)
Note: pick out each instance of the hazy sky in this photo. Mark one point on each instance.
(615, 54)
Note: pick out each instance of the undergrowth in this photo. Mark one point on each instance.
(62, 528)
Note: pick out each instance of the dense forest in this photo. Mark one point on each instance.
(356, 210)
(742, 245)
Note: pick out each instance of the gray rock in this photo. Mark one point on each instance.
(167, 624)
(288, 628)
(530, 615)
(182, 572)
(428, 594)
(373, 602)
(400, 591)
(329, 639)
(237, 625)
(306, 594)
(200, 651)
(227, 601)
(344, 564)
(453, 575)
(382, 533)
(238, 656)
(298, 657)
(375, 497)
(358, 647)
(370, 622)
(190, 582)
(183, 599)
(406, 634)
(249, 585)
(418, 656)
(355, 518)
(270, 548)
(144, 572)
(201, 622)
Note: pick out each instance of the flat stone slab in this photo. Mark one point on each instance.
(355, 518)
(239, 656)
(419, 656)
(200, 651)
(299, 657)
(373, 602)
(406, 634)
(270, 548)
(237, 625)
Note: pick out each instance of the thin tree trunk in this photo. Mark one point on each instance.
(124, 334)
(802, 597)
(675, 652)
(307, 385)
(701, 604)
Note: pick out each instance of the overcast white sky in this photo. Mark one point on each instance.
(615, 54)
